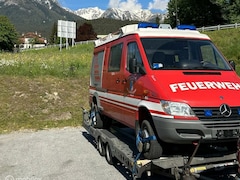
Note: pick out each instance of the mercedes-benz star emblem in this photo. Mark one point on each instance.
(225, 110)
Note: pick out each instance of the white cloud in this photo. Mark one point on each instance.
(158, 5)
(113, 3)
(131, 5)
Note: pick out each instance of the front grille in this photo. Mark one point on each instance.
(216, 115)
(216, 120)
(222, 125)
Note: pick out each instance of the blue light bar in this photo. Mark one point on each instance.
(147, 25)
(184, 27)
(208, 112)
(238, 111)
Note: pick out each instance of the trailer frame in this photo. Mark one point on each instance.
(110, 145)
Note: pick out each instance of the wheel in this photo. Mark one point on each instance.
(107, 122)
(151, 149)
(100, 147)
(96, 118)
(110, 159)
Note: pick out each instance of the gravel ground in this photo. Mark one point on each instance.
(53, 154)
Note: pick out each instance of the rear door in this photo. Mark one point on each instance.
(112, 82)
(114, 71)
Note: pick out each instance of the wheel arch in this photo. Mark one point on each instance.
(95, 99)
(142, 114)
(145, 114)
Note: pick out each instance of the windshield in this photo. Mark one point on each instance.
(176, 53)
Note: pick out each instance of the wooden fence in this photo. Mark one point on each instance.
(219, 27)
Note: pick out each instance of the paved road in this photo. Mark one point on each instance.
(55, 154)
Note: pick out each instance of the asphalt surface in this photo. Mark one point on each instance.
(57, 154)
(54, 154)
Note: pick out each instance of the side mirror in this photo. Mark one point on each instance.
(135, 68)
(232, 63)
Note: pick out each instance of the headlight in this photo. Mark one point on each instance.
(177, 109)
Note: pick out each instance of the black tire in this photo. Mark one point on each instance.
(107, 122)
(97, 120)
(100, 147)
(108, 154)
(151, 149)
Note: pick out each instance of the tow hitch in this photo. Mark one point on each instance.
(186, 170)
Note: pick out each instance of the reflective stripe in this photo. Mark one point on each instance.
(131, 103)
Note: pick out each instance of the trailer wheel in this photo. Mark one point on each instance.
(151, 149)
(100, 147)
(97, 120)
(110, 159)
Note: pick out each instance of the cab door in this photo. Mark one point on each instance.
(133, 83)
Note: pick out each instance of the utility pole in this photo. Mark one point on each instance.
(176, 9)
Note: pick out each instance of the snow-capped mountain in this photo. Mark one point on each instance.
(116, 13)
(49, 3)
(90, 13)
(41, 15)
(35, 15)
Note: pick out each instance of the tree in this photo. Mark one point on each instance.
(194, 12)
(8, 34)
(230, 9)
(86, 32)
(157, 20)
(53, 37)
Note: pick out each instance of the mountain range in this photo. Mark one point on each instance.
(40, 15)
(117, 13)
(35, 15)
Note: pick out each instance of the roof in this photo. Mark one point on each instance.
(149, 31)
(32, 35)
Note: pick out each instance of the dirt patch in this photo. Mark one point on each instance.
(25, 102)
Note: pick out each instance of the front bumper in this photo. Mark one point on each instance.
(188, 131)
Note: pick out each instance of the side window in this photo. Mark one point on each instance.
(209, 55)
(133, 53)
(96, 70)
(115, 58)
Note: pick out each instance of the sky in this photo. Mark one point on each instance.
(152, 5)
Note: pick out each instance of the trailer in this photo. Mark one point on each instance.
(118, 144)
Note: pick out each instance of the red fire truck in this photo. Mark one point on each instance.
(172, 86)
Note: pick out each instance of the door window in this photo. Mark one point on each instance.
(115, 58)
(133, 53)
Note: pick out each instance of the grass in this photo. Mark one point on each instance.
(43, 102)
(47, 88)
(50, 61)
(228, 43)
(44, 88)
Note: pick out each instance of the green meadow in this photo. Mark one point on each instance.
(46, 88)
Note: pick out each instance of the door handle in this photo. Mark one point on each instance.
(124, 81)
(118, 81)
